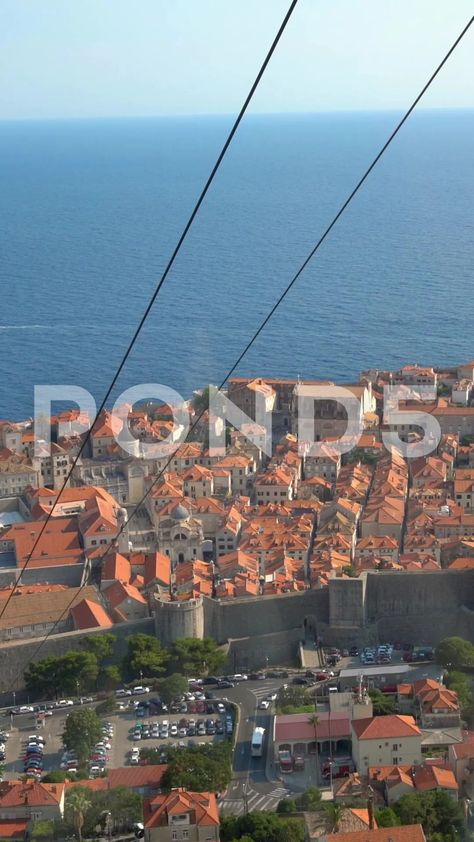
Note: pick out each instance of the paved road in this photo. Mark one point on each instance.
(250, 788)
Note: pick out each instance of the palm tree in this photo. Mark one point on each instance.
(79, 804)
(313, 720)
(335, 816)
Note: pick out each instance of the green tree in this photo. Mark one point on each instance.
(63, 675)
(294, 699)
(262, 827)
(382, 704)
(106, 707)
(461, 684)
(58, 776)
(111, 677)
(145, 656)
(123, 804)
(101, 645)
(193, 656)
(455, 653)
(437, 811)
(386, 817)
(201, 768)
(171, 687)
(334, 813)
(286, 805)
(310, 800)
(313, 720)
(77, 804)
(81, 732)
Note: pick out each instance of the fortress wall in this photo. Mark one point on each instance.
(15, 656)
(415, 595)
(279, 648)
(255, 617)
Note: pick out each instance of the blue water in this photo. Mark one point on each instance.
(90, 211)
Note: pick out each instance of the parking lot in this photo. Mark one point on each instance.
(184, 729)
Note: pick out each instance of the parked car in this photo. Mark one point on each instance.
(139, 690)
(264, 704)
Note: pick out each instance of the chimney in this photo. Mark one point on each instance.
(370, 807)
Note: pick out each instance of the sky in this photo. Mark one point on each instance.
(118, 58)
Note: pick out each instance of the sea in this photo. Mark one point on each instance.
(90, 211)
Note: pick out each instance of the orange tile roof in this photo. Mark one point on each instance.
(432, 777)
(131, 777)
(118, 592)
(201, 806)
(157, 569)
(385, 727)
(405, 833)
(88, 615)
(31, 793)
(463, 563)
(60, 541)
(31, 606)
(14, 828)
(116, 566)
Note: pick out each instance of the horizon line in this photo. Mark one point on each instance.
(227, 114)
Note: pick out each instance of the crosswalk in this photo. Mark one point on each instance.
(263, 690)
(253, 801)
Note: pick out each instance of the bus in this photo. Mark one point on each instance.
(257, 742)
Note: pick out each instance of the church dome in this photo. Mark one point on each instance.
(179, 513)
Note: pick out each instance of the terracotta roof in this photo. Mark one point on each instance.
(89, 615)
(30, 606)
(13, 828)
(405, 833)
(157, 568)
(118, 592)
(129, 776)
(385, 727)
(296, 726)
(202, 807)
(432, 777)
(32, 793)
(59, 542)
(116, 566)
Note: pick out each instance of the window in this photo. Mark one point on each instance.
(395, 747)
(395, 761)
(174, 834)
(185, 834)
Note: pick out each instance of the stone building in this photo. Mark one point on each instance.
(181, 536)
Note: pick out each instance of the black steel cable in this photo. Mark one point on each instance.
(159, 286)
(274, 308)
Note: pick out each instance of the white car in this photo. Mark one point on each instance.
(174, 730)
(272, 697)
(104, 744)
(139, 690)
(220, 708)
(264, 704)
(64, 703)
(122, 692)
(95, 770)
